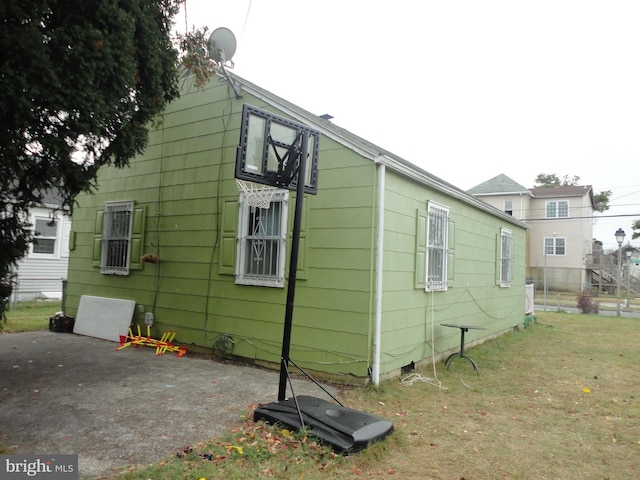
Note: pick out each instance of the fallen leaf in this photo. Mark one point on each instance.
(236, 448)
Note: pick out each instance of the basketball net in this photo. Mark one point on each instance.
(256, 195)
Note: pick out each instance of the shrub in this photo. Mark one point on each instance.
(586, 303)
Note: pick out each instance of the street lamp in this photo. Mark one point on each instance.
(619, 238)
(628, 252)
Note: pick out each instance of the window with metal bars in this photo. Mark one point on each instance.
(116, 243)
(262, 242)
(506, 257)
(437, 238)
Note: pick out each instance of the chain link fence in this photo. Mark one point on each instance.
(32, 289)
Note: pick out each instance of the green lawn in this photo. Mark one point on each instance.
(30, 316)
(558, 400)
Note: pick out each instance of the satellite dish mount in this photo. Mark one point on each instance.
(221, 47)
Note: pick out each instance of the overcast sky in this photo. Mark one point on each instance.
(465, 89)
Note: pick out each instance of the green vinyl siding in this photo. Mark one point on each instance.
(451, 254)
(411, 315)
(184, 182)
(420, 272)
(137, 238)
(97, 238)
(228, 237)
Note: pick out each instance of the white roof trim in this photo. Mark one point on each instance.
(310, 120)
(429, 181)
(495, 194)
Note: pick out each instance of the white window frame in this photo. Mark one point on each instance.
(508, 207)
(249, 244)
(506, 257)
(556, 246)
(552, 209)
(56, 238)
(437, 247)
(116, 239)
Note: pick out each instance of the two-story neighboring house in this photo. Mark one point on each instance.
(560, 239)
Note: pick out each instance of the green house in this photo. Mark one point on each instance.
(387, 254)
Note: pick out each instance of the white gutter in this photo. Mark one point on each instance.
(375, 371)
(423, 177)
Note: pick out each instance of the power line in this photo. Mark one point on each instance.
(585, 207)
(580, 218)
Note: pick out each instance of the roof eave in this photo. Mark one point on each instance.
(523, 192)
(417, 174)
(309, 118)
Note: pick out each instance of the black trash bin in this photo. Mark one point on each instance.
(61, 323)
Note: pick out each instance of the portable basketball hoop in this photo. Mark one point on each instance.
(256, 195)
(278, 153)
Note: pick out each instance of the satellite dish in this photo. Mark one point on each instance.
(221, 45)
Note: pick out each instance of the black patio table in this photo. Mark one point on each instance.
(463, 330)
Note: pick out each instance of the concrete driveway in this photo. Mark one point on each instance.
(62, 393)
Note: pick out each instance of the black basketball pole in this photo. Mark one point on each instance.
(293, 267)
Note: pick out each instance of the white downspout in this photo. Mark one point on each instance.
(375, 372)
(522, 215)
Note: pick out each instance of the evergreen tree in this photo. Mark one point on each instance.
(80, 81)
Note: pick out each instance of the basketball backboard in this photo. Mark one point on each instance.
(270, 150)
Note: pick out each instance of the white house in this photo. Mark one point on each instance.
(560, 240)
(41, 272)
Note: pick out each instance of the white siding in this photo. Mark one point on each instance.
(41, 275)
